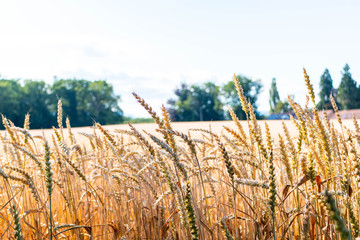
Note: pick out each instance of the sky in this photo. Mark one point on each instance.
(150, 47)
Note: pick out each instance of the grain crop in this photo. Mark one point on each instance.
(243, 182)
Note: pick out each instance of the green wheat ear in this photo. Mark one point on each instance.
(225, 230)
(335, 215)
(49, 181)
(191, 213)
(18, 232)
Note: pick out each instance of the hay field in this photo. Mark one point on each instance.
(250, 179)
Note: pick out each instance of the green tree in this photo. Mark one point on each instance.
(282, 107)
(102, 103)
(11, 101)
(36, 100)
(326, 88)
(348, 92)
(70, 92)
(180, 109)
(85, 101)
(251, 92)
(196, 103)
(274, 96)
(276, 105)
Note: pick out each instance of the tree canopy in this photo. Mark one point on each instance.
(348, 92)
(274, 96)
(86, 101)
(196, 103)
(276, 105)
(205, 102)
(12, 100)
(37, 102)
(326, 89)
(83, 102)
(251, 92)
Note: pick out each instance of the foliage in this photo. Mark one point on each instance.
(326, 88)
(274, 96)
(204, 102)
(251, 91)
(348, 92)
(36, 99)
(196, 103)
(83, 102)
(138, 120)
(276, 105)
(282, 107)
(11, 100)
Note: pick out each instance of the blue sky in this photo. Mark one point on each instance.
(151, 46)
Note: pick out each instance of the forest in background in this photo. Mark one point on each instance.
(87, 101)
(82, 101)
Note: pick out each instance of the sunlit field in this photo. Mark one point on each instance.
(295, 179)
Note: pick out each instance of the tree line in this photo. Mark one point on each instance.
(346, 96)
(83, 102)
(86, 101)
(204, 102)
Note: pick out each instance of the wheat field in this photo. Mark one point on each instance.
(251, 179)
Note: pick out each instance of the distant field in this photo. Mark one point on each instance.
(215, 126)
